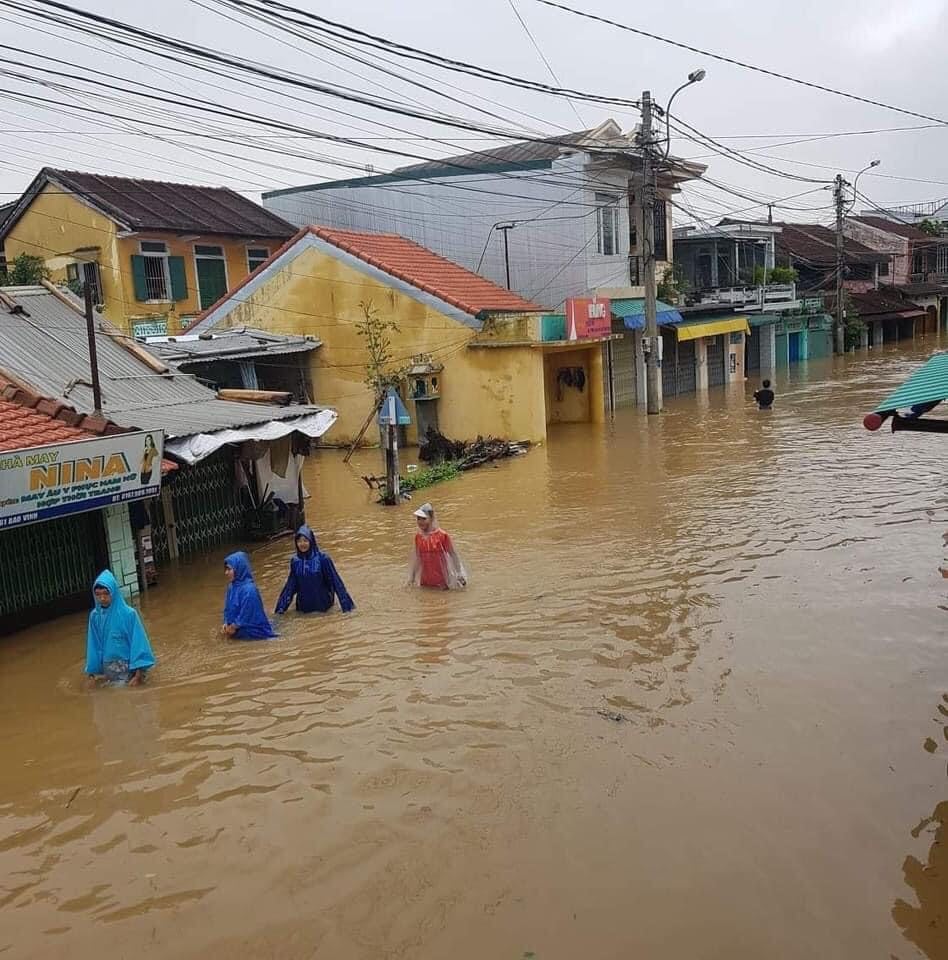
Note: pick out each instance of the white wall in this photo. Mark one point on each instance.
(551, 257)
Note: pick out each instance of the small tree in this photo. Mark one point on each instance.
(930, 227)
(26, 271)
(380, 369)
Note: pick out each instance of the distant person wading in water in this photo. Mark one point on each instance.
(435, 562)
(764, 396)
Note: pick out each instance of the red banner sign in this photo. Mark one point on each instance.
(588, 317)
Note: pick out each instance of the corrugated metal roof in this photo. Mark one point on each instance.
(242, 343)
(47, 348)
(926, 385)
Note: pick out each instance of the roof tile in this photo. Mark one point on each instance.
(158, 205)
(426, 270)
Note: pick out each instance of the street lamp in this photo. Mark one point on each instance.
(875, 163)
(696, 76)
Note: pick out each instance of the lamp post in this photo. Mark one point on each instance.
(839, 196)
(653, 380)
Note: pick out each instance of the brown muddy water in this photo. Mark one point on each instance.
(692, 705)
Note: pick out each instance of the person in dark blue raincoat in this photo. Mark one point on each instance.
(244, 617)
(313, 579)
(117, 646)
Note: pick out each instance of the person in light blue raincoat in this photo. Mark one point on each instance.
(313, 579)
(244, 617)
(117, 646)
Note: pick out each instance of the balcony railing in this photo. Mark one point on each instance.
(774, 295)
(930, 276)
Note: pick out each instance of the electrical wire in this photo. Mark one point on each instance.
(740, 63)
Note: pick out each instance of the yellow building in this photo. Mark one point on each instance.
(477, 359)
(155, 254)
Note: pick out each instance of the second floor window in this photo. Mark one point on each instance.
(942, 259)
(80, 274)
(158, 277)
(661, 231)
(256, 256)
(157, 274)
(607, 224)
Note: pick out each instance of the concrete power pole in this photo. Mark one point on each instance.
(653, 380)
(840, 200)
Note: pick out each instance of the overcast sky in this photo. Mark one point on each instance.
(875, 48)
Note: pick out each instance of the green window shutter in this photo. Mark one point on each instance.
(138, 275)
(179, 284)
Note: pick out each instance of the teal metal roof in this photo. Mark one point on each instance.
(632, 312)
(926, 385)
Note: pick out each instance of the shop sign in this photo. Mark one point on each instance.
(588, 317)
(41, 483)
(150, 328)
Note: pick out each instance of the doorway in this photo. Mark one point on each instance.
(793, 347)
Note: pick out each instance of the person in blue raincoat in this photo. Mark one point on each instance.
(117, 646)
(244, 617)
(313, 579)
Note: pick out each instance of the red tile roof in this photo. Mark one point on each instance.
(426, 270)
(22, 427)
(29, 420)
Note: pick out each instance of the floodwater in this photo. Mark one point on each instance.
(693, 705)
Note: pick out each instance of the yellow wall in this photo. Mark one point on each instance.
(56, 225)
(484, 390)
(573, 405)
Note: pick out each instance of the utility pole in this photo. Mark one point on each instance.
(93, 357)
(653, 380)
(505, 229)
(840, 200)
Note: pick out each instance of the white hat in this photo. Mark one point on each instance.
(425, 511)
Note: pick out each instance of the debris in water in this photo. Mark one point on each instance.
(75, 794)
(612, 715)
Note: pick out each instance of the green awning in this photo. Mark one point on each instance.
(926, 385)
(762, 319)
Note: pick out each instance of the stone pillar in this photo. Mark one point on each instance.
(878, 334)
(864, 338)
(701, 365)
(121, 548)
(768, 350)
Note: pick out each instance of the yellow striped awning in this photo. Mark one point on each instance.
(711, 328)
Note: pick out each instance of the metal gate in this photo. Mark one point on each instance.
(207, 508)
(623, 369)
(716, 357)
(752, 350)
(48, 568)
(679, 366)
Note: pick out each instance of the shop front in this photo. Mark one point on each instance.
(64, 516)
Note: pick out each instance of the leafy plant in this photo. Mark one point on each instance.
(429, 476)
(930, 227)
(668, 285)
(774, 275)
(26, 271)
(380, 369)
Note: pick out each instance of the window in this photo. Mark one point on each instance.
(918, 263)
(256, 256)
(157, 274)
(607, 224)
(884, 269)
(158, 277)
(80, 274)
(942, 260)
(210, 268)
(661, 231)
